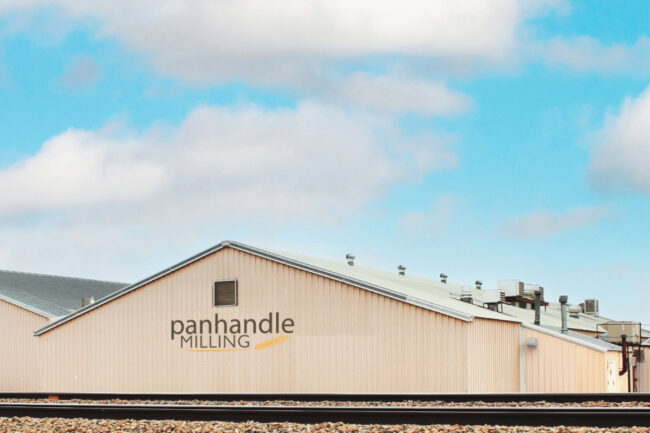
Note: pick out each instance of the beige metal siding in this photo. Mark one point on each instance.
(557, 365)
(494, 356)
(19, 355)
(643, 372)
(346, 339)
(621, 381)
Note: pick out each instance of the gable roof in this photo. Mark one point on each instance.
(412, 290)
(51, 296)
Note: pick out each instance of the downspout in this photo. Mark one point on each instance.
(626, 362)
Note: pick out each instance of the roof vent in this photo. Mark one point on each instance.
(563, 306)
(466, 294)
(443, 278)
(575, 309)
(401, 269)
(591, 307)
(350, 258)
(479, 284)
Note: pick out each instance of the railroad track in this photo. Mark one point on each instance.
(525, 416)
(315, 397)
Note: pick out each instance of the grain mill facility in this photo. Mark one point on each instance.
(236, 318)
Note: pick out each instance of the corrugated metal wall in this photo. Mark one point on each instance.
(19, 357)
(494, 356)
(643, 372)
(616, 357)
(345, 340)
(557, 365)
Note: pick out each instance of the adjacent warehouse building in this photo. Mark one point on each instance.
(236, 318)
(29, 302)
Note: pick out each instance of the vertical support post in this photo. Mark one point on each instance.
(538, 300)
(563, 300)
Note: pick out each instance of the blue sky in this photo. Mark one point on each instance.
(486, 140)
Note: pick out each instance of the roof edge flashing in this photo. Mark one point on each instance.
(26, 307)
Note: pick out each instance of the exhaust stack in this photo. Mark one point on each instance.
(350, 258)
(563, 308)
(443, 278)
(401, 269)
(538, 300)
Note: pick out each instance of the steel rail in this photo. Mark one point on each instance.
(315, 397)
(524, 416)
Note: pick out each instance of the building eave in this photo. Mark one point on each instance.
(26, 307)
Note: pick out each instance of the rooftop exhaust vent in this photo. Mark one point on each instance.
(443, 278)
(575, 309)
(466, 294)
(591, 307)
(401, 269)
(563, 305)
(350, 258)
(479, 284)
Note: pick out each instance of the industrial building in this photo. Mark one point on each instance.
(237, 318)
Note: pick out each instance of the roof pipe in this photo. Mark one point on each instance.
(563, 308)
(538, 301)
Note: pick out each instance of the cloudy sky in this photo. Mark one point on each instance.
(487, 140)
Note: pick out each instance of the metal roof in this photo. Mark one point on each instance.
(49, 295)
(426, 293)
(412, 290)
(432, 292)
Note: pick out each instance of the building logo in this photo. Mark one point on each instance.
(221, 335)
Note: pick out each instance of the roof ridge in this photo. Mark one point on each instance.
(62, 276)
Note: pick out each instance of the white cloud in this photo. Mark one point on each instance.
(398, 94)
(109, 196)
(584, 53)
(544, 223)
(621, 155)
(204, 40)
(290, 40)
(311, 162)
(305, 45)
(79, 168)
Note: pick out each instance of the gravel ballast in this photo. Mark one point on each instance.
(333, 403)
(81, 425)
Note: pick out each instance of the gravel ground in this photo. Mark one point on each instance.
(403, 403)
(81, 425)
